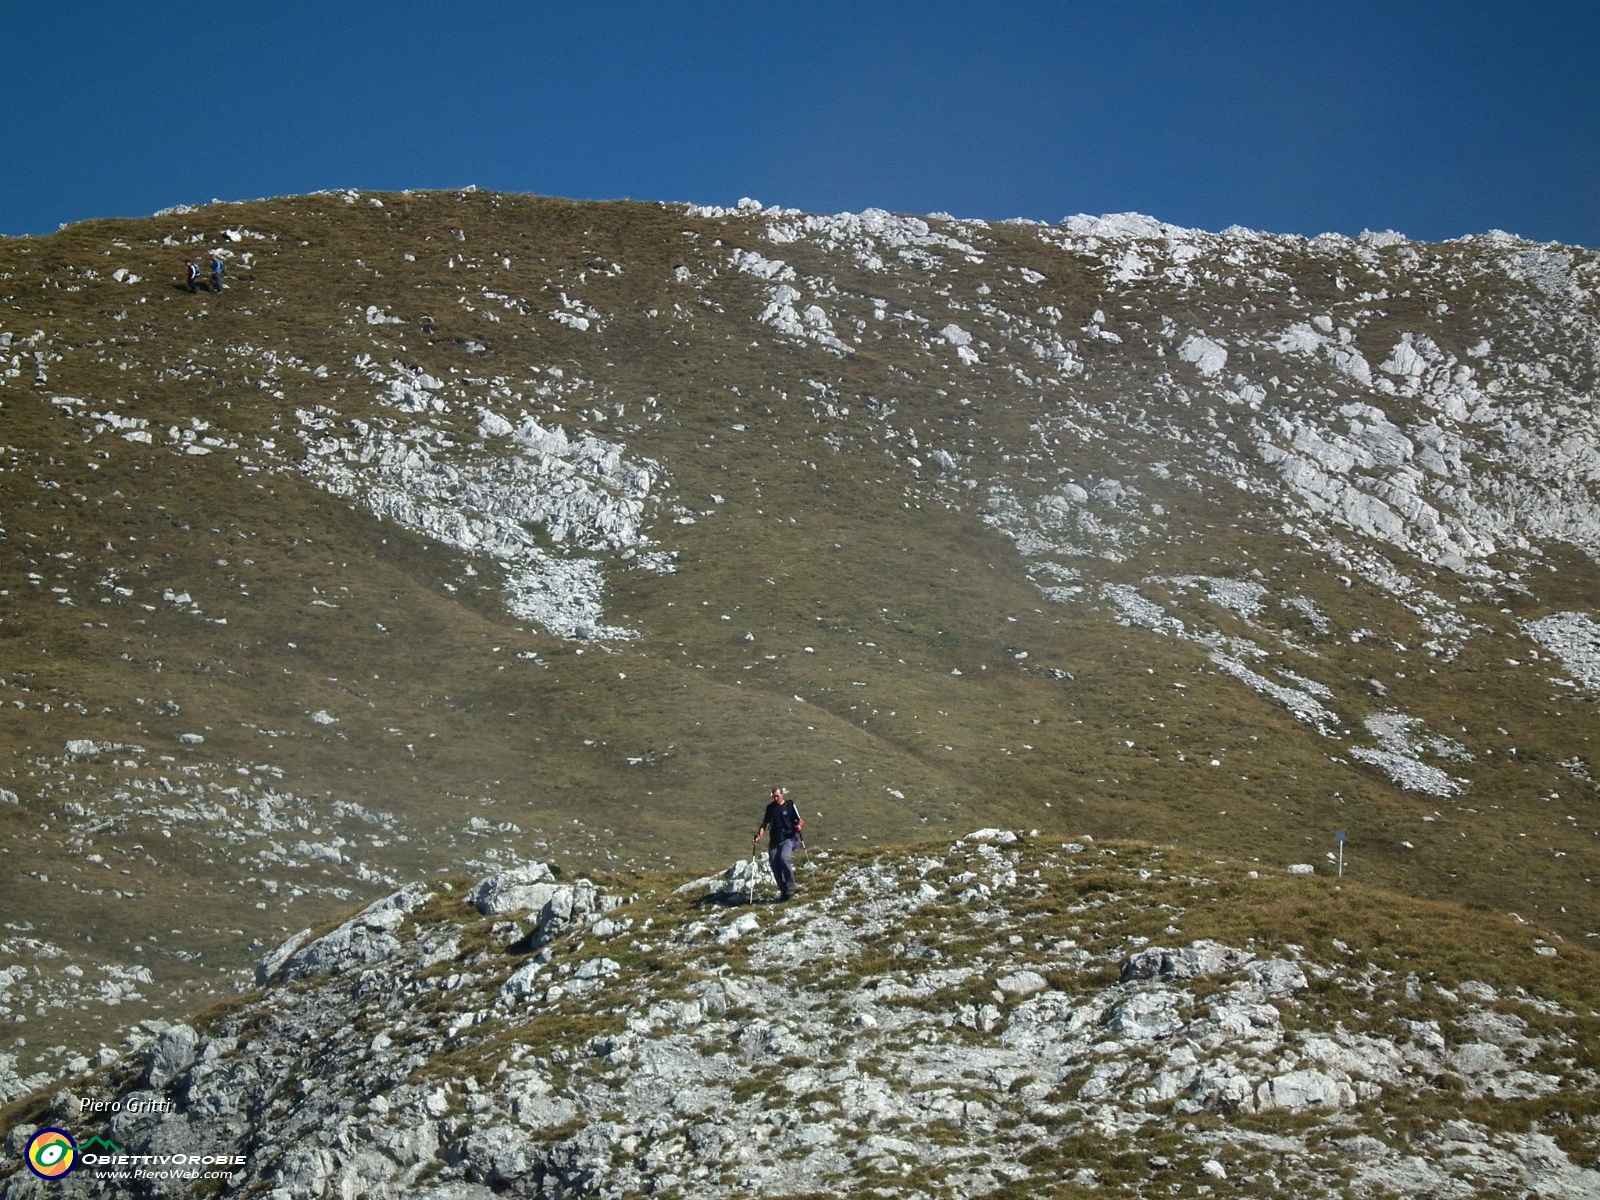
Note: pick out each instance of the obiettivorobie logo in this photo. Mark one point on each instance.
(55, 1154)
(52, 1153)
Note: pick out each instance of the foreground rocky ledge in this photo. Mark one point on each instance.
(1000, 1015)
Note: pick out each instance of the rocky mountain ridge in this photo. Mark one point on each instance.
(962, 1019)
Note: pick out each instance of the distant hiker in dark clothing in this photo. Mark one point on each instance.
(194, 276)
(782, 823)
(216, 273)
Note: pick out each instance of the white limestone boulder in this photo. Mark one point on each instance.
(1300, 1090)
(520, 889)
(1145, 1017)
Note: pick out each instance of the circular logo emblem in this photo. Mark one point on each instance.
(52, 1153)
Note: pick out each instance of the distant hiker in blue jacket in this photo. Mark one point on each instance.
(216, 273)
(783, 824)
(194, 276)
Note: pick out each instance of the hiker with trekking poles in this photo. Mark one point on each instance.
(783, 824)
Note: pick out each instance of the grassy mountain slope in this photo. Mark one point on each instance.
(973, 528)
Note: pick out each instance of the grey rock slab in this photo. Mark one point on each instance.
(366, 938)
(1277, 977)
(141, 1111)
(1022, 983)
(598, 968)
(1358, 1056)
(405, 1145)
(545, 1112)
(747, 923)
(1102, 1079)
(171, 1054)
(221, 1087)
(522, 983)
(1198, 958)
(1238, 1016)
(1479, 1058)
(303, 1171)
(1218, 1087)
(17, 1138)
(24, 1185)
(454, 1190)
(274, 959)
(1522, 1085)
(496, 1155)
(1146, 1016)
(1503, 1029)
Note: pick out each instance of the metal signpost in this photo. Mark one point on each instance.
(1339, 837)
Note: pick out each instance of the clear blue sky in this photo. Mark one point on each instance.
(1436, 119)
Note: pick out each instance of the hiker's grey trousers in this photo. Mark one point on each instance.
(780, 856)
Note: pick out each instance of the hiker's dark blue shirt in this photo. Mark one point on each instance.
(781, 821)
